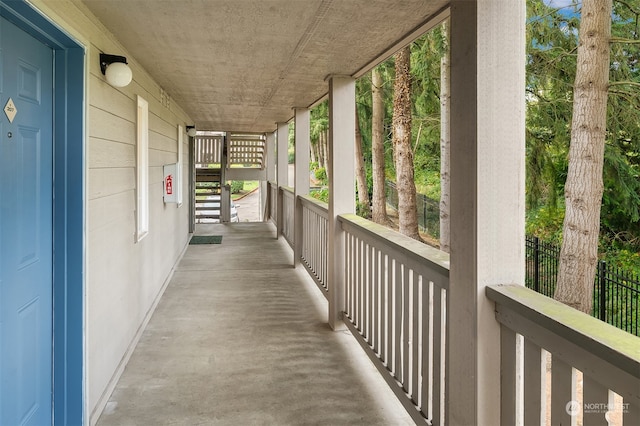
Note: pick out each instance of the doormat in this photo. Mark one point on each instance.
(206, 239)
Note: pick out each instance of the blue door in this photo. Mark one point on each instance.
(26, 228)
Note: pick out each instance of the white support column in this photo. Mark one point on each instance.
(271, 157)
(342, 197)
(270, 164)
(225, 192)
(301, 174)
(282, 167)
(487, 196)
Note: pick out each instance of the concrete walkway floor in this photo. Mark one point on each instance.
(240, 337)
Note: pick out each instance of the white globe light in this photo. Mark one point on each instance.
(192, 132)
(118, 74)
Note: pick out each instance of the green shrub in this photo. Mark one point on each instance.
(363, 210)
(320, 194)
(321, 175)
(237, 186)
(546, 224)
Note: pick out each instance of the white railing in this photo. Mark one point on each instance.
(287, 217)
(315, 218)
(558, 366)
(396, 298)
(563, 366)
(246, 149)
(208, 149)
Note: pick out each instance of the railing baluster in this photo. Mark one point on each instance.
(438, 360)
(366, 296)
(397, 319)
(375, 311)
(595, 402)
(406, 337)
(313, 252)
(426, 391)
(349, 274)
(318, 249)
(631, 412)
(508, 371)
(359, 284)
(354, 275)
(382, 274)
(561, 391)
(535, 372)
(415, 321)
(320, 252)
(390, 314)
(309, 238)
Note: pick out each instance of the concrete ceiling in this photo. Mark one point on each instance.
(243, 65)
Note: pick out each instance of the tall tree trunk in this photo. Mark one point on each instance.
(361, 172)
(584, 186)
(321, 159)
(325, 151)
(377, 149)
(407, 211)
(312, 151)
(445, 179)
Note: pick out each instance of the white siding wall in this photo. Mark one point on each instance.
(124, 279)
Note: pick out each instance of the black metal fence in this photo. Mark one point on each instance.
(616, 293)
(428, 209)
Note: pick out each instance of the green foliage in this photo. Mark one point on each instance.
(237, 186)
(426, 54)
(321, 194)
(319, 120)
(622, 258)
(551, 66)
(550, 73)
(428, 183)
(291, 150)
(321, 175)
(545, 223)
(363, 210)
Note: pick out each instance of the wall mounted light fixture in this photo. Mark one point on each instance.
(115, 69)
(191, 131)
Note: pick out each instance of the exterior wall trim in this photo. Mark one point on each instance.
(69, 209)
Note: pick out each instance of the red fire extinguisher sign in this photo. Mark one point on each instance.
(169, 185)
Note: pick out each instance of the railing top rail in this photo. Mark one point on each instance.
(287, 189)
(605, 341)
(316, 205)
(409, 249)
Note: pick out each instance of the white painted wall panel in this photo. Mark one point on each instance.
(104, 154)
(114, 209)
(109, 181)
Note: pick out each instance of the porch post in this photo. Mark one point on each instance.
(301, 175)
(282, 168)
(271, 157)
(192, 185)
(342, 198)
(487, 196)
(270, 164)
